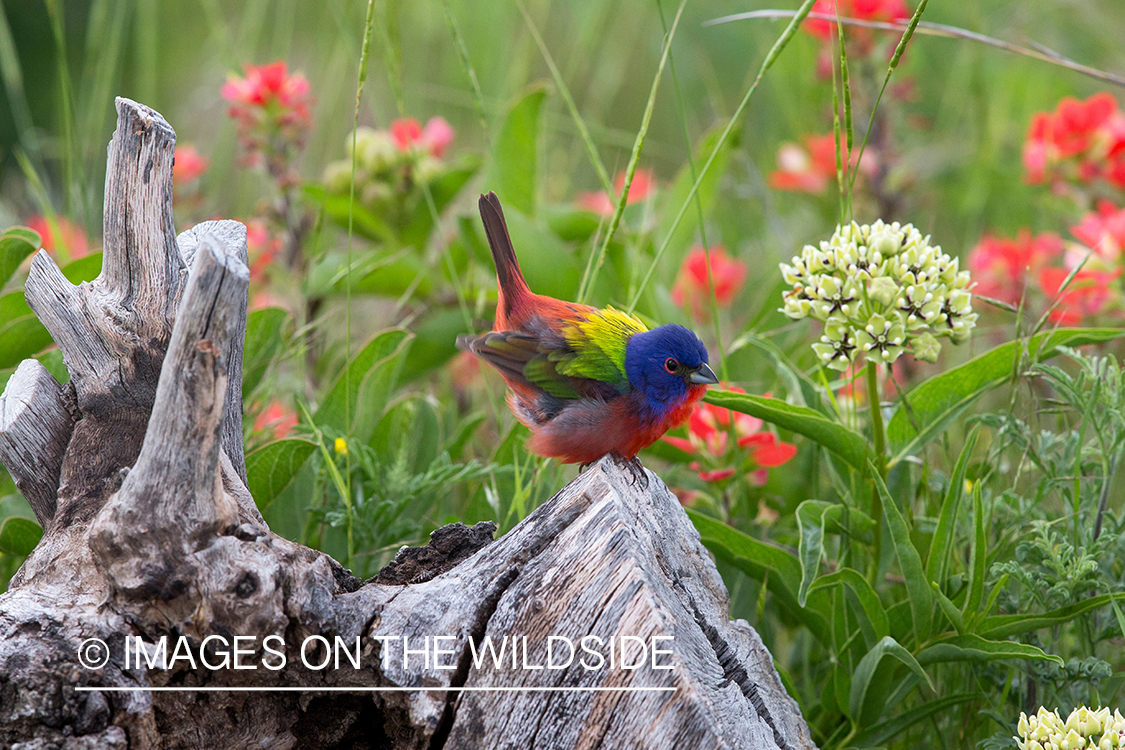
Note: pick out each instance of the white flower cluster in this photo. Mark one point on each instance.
(1084, 728)
(879, 288)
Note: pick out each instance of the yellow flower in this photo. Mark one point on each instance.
(341, 446)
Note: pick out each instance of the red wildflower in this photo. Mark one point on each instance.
(262, 248)
(1103, 231)
(434, 138)
(643, 184)
(692, 286)
(1001, 266)
(271, 109)
(708, 431)
(276, 418)
(864, 10)
(1084, 297)
(1080, 141)
(68, 244)
(810, 169)
(188, 164)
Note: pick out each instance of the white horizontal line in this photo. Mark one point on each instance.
(472, 689)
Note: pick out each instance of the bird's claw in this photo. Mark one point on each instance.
(635, 467)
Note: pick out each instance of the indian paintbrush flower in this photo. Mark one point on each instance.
(692, 286)
(880, 289)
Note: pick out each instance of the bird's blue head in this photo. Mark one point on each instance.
(665, 363)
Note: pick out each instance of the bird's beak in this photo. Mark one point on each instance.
(704, 375)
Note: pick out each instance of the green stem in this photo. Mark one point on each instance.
(874, 403)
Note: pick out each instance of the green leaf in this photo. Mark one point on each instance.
(83, 269)
(848, 445)
(949, 609)
(759, 560)
(271, 468)
(974, 648)
(918, 589)
(513, 172)
(264, 335)
(342, 401)
(936, 403)
(865, 704)
(442, 190)
(18, 536)
(548, 265)
(868, 599)
(885, 730)
(1005, 626)
(365, 222)
(20, 339)
(434, 344)
(810, 523)
(942, 545)
(16, 243)
(978, 557)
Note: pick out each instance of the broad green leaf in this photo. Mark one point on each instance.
(513, 171)
(865, 704)
(756, 558)
(547, 263)
(886, 730)
(271, 468)
(810, 523)
(342, 401)
(849, 445)
(442, 190)
(918, 590)
(974, 648)
(868, 599)
(18, 536)
(942, 544)
(264, 334)
(83, 269)
(1005, 626)
(568, 223)
(365, 222)
(16, 243)
(936, 403)
(21, 339)
(434, 343)
(797, 384)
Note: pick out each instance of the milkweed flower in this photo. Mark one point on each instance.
(692, 286)
(1095, 729)
(880, 290)
(755, 451)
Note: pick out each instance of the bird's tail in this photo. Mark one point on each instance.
(510, 279)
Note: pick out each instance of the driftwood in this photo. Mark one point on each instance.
(155, 561)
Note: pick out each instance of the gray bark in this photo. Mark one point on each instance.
(155, 537)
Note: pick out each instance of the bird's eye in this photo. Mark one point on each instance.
(671, 365)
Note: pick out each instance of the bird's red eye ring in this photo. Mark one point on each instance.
(671, 365)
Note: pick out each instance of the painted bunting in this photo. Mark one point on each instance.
(586, 382)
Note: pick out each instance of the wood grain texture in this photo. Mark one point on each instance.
(36, 418)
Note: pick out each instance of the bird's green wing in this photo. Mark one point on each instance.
(596, 347)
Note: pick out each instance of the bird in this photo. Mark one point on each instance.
(587, 382)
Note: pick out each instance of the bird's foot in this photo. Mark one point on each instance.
(635, 467)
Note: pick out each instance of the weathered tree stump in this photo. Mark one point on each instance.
(152, 542)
